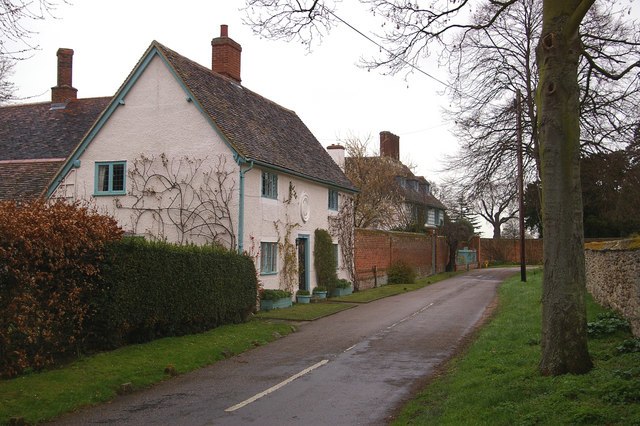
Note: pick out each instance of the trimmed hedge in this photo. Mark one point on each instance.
(153, 289)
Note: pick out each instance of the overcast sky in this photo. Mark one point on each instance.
(326, 88)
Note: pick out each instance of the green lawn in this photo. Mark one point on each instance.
(305, 312)
(94, 379)
(496, 382)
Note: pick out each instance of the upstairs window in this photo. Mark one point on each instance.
(110, 178)
(269, 185)
(333, 199)
(268, 258)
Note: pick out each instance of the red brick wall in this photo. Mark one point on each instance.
(376, 250)
(508, 250)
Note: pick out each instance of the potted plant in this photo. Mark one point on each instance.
(320, 292)
(303, 296)
(274, 299)
(341, 288)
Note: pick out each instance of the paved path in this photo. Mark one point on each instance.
(352, 368)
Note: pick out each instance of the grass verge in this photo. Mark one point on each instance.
(41, 396)
(370, 295)
(305, 312)
(497, 383)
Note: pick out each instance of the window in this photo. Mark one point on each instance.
(335, 255)
(110, 178)
(269, 185)
(333, 199)
(268, 258)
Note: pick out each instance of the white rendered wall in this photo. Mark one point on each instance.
(262, 213)
(156, 118)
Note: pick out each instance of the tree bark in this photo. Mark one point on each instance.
(564, 334)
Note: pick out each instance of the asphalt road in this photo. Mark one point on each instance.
(352, 368)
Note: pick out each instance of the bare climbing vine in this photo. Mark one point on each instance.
(185, 196)
(341, 226)
(286, 244)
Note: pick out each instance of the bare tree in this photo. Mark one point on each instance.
(341, 227)
(410, 30)
(15, 16)
(380, 200)
(187, 197)
(7, 88)
(497, 204)
(488, 67)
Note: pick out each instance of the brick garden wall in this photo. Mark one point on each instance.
(376, 250)
(507, 250)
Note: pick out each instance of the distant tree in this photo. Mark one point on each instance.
(610, 194)
(455, 231)
(380, 200)
(533, 208)
(497, 204)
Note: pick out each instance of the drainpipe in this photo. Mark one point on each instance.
(241, 204)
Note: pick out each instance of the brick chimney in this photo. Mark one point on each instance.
(389, 145)
(64, 91)
(225, 55)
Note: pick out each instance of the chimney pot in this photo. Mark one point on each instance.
(226, 55)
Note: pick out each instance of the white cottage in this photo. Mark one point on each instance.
(187, 154)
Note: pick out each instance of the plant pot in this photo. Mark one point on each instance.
(337, 292)
(267, 305)
(320, 294)
(303, 298)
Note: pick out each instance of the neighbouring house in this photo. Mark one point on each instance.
(392, 197)
(186, 153)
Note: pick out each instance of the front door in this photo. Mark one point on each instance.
(303, 252)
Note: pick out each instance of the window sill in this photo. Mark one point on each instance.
(109, 194)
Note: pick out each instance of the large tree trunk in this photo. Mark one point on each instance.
(564, 335)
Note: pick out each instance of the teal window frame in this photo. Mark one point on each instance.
(268, 258)
(269, 185)
(333, 203)
(99, 186)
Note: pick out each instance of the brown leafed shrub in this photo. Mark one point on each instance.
(49, 259)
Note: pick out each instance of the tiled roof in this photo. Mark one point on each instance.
(256, 127)
(39, 132)
(26, 180)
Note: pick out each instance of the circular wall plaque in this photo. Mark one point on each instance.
(305, 209)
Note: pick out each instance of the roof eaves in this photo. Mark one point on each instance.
(332, 184)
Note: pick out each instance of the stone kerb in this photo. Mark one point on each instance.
(613, 277)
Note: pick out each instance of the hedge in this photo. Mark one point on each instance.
(153, 289)
(324, 260)
(49, 262)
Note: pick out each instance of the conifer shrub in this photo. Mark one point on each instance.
(401, 273)
(324, 259)
(50, 256)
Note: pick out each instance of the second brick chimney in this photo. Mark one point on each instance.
(64, 91)
(225, 55)
(389, 145)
